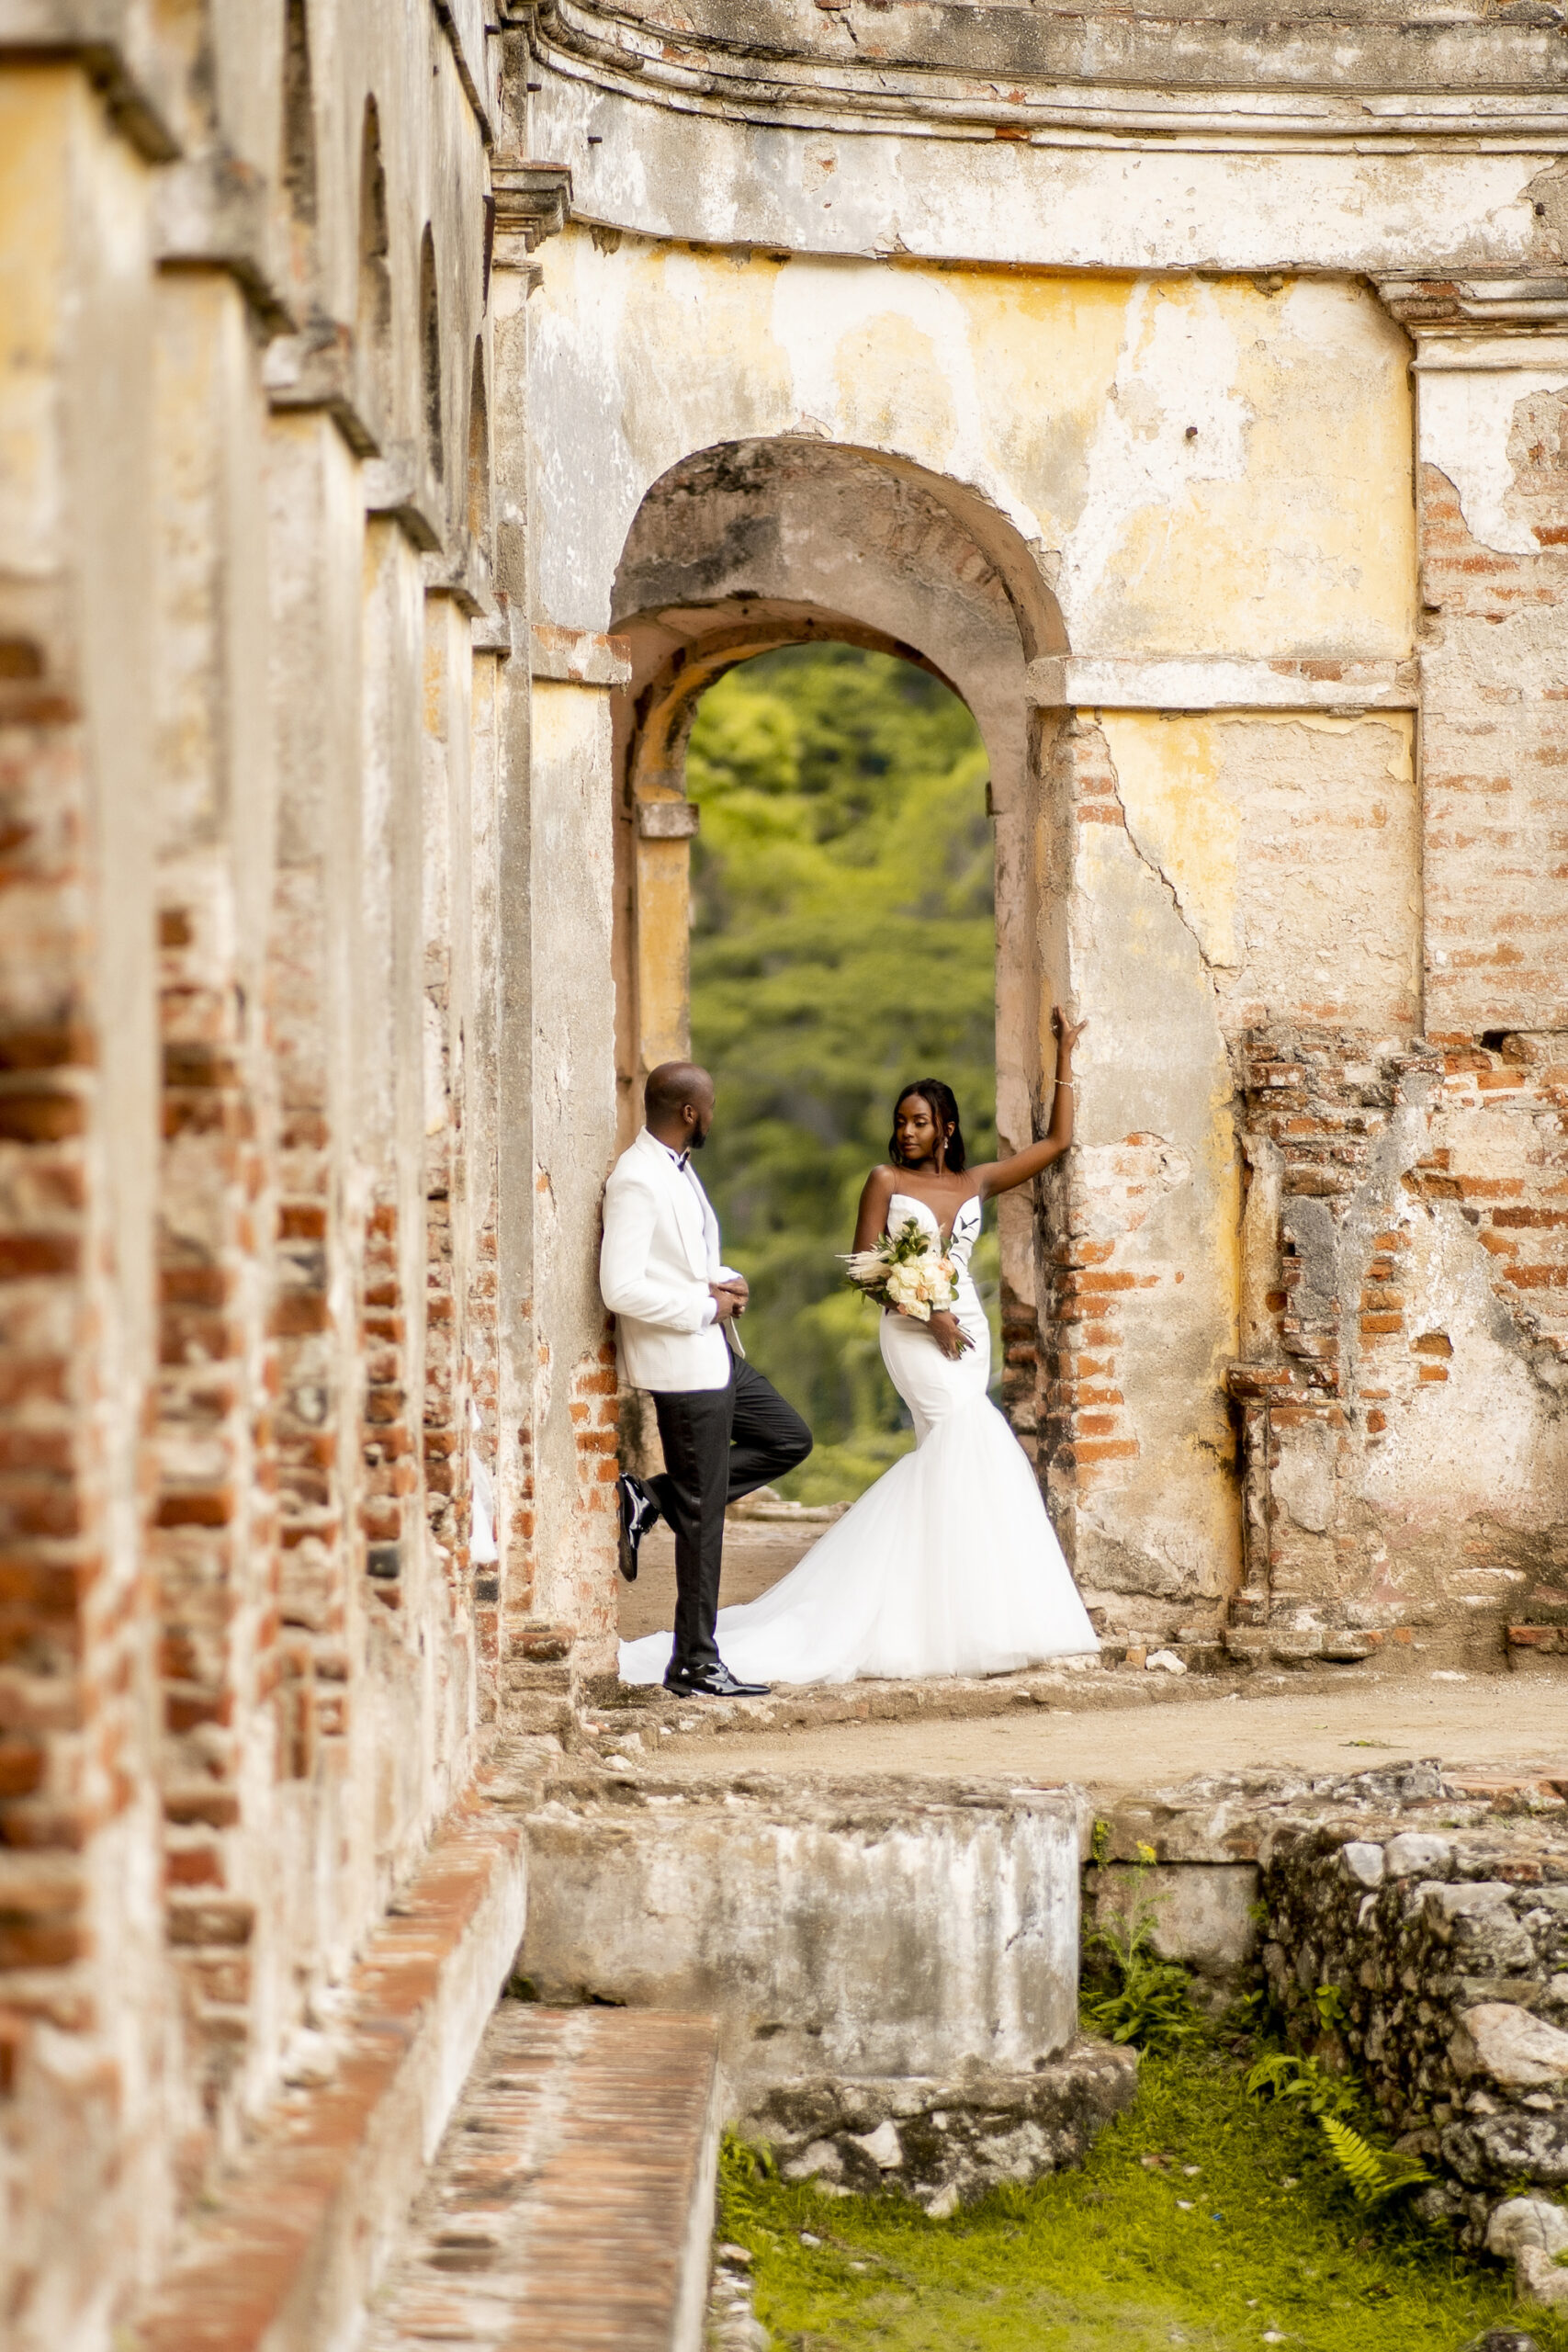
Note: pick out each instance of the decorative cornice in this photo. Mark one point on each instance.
(532, 201)
(1056, 76)
(1481, 324)
(112, 41)
(319, 369)
(399, 487)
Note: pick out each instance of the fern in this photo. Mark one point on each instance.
(1141, 1998)
(1282, 2074)
(1373, 2174)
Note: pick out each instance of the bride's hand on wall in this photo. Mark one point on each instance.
(1067, 1033)
(948, 1334)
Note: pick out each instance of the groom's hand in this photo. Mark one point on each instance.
(729, 1297)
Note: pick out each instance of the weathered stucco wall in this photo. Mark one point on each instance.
(1210, 484)
(248, 1034)
(1198, 466)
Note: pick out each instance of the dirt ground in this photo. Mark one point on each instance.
(1498, 1721)
(756, 1554)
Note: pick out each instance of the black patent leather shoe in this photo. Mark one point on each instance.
(638, 1513)
(712, 1682)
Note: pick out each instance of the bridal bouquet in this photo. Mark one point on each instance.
(906, 1268)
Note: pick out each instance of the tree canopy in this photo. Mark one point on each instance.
(842, 943)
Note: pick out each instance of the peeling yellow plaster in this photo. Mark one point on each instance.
(718, 372)
(1183, 819)
(1294, 870)
(1249, 480)
(1219, 469)
(35, 105)
(889, 371)
(1046, 351)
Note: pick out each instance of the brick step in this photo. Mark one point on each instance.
(285, 2245)
(569, 2206)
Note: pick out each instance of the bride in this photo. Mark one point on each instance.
(948, 1564)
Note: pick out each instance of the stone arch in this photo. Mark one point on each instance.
(430, 357)
(754, 544)
(298, 162)
(477, 512)
(373, 303)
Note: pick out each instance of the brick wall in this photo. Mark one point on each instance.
(1418, 1255)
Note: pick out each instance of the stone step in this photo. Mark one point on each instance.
(569, 2206)
(284, 2245)
(862, 1928)
(617, 1717)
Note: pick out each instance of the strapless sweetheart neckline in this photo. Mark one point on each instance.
(960, 1212)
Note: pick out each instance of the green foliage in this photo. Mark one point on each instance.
(1131, 1992)
(842, 942)
(1329, 2003)
(1280, 2074)
(1202, 2217)
(1373, 2174)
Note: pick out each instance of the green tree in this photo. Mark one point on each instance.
(842, 943)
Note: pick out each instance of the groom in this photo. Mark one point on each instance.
(724, 1430)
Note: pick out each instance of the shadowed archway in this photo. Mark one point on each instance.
(752, 545)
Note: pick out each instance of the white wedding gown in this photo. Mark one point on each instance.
(947, 1566)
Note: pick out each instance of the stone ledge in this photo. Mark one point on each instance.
(570, 2204)
(1115, 683)
(805, 1919)
(579, 657)
(625, 1718)
(300, 2233)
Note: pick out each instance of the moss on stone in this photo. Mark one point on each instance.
(1203, 2218)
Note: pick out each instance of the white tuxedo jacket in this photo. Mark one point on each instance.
(660, 1252)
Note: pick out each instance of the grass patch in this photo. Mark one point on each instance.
(1261, 2243)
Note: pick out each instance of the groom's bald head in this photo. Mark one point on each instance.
(677, 1101)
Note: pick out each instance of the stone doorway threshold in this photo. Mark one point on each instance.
(1116, 1741)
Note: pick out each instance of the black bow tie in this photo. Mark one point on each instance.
(685, 1161)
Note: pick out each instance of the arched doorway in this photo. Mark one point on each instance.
(1118, 1286)
(749, 547)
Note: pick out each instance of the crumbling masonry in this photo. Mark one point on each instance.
(406, 409)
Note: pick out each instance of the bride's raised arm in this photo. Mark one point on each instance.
(1004, 1175)
(871, 1218)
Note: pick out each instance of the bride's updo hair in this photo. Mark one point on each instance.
(944, 1110)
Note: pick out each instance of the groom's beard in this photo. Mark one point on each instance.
(697, 1141)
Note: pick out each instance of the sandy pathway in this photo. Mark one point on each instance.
(1494, 1721)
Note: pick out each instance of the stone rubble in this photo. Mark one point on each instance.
(732, 2323)
(944, 2142)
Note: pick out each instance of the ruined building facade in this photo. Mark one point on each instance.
(406, 410)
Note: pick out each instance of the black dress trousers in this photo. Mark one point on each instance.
(719, 1444)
